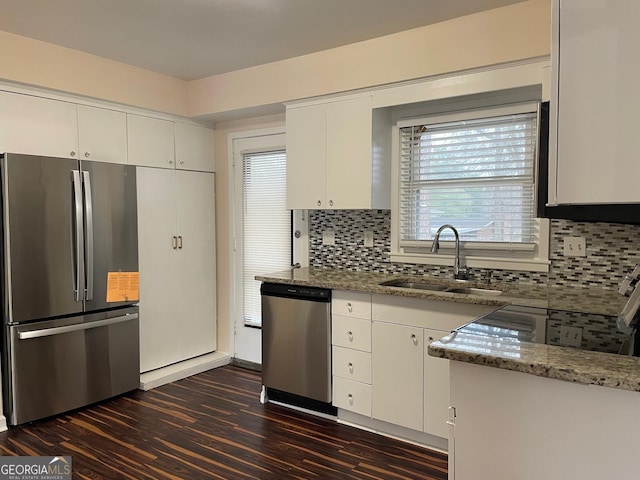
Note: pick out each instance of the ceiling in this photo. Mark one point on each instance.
(191, 39)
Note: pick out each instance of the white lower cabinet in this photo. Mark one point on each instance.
(436, 388)
(351, 351)
(380, 365)
(397, 374)
(410, 388)
(351, 395)
(177, 266)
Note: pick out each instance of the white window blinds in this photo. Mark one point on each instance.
(266, 225)
(476, 174)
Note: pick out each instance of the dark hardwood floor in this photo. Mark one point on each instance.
(212, 425)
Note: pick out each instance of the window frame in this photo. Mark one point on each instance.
(476, 254)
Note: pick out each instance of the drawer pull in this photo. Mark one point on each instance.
(414, 339)
(349, 307)
(350, 398)
(350, 336)
(350, 367)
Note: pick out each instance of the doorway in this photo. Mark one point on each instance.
(267, 237)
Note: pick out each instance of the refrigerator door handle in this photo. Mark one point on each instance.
(78, 286)
(88, 211)
(46, 332)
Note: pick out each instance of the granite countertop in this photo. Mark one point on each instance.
(580, 300)
(488, 342)
(500, 349)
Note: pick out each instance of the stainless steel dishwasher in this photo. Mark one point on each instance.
(296, 345)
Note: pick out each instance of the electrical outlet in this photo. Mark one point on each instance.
(575, 247)
(368, 238)
(570, 336)
(328, 237)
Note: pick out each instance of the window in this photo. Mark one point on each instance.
(266, 238)
(474, 170)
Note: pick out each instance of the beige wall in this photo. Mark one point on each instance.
(517, 32)
(502, 35)
(32, 62)
(223, 218)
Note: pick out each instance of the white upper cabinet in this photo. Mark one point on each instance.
(102, 134)
(194, 147)
(37, 126)
(307, 157)
(331, 159)
(594, 157)
(150, 141)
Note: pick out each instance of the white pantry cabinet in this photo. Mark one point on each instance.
(177, 263)
(332, 162)
(37, 126)
(594, 102)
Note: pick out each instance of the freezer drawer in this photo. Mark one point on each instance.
(61, 365)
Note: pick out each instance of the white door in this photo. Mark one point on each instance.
(263, 232)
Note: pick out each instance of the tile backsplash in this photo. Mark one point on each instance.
(612, 250)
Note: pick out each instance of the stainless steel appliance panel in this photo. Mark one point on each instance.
(40, 270)
(111, 227)
(60, 365)
(296, 346)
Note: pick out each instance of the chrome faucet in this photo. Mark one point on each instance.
(460, 272)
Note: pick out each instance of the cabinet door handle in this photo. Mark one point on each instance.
(181, 162)
(350, 367)
(87, 154)
(319, 203)
(331, 203)
(349, 307)
(170, 162)
(72, 153)
(430, 339)
(350, 398)
(174, 242)
(414, 339)
(350, 336)
(180, 242)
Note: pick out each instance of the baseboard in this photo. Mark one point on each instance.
(178, 371)
(394, 431)
(238, 362)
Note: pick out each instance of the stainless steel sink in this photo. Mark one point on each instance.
(413, 285)
(474, 291)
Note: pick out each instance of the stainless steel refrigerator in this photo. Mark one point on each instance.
(69, 251)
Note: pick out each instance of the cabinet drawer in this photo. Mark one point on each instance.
(351, 332)
(351, 364)
(352, 396)
(351, 304)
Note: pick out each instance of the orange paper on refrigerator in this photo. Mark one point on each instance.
(123, 286)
